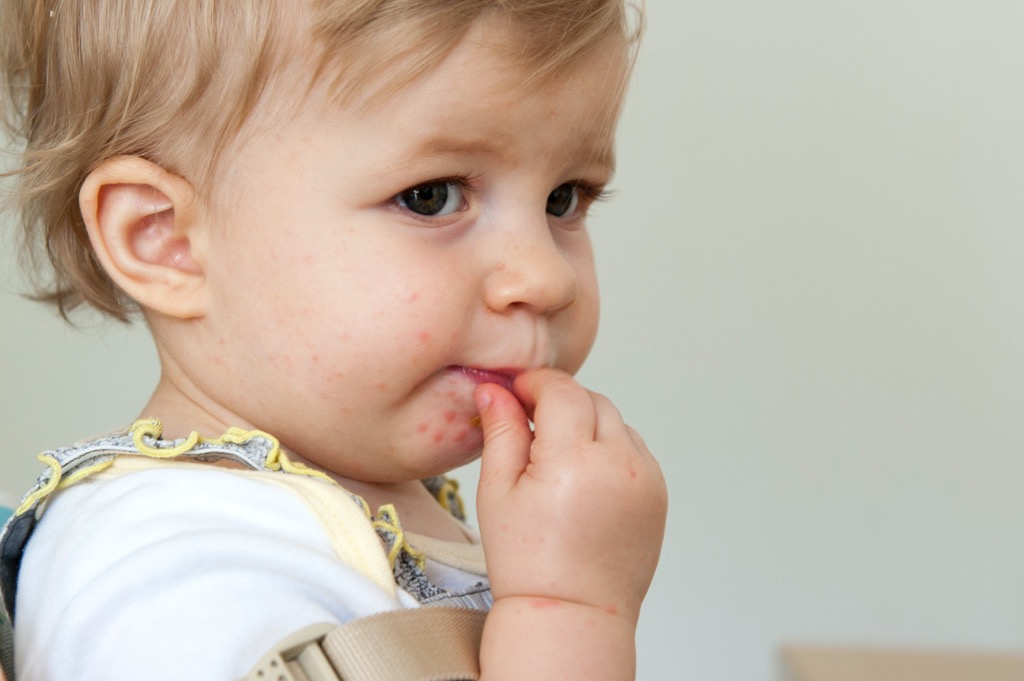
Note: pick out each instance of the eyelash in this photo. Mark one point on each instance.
(588, 195)
(591, 193)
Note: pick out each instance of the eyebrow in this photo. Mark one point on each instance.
(603, 156)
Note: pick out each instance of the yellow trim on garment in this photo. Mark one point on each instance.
(45, 491)
(84, 473)
(276, 459)
(387, 519)
(450, 490)
(154, 429)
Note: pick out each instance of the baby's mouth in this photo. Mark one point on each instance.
(502, 377)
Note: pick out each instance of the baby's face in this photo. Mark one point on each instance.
(368, 268)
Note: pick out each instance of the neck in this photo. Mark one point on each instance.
(418, 510)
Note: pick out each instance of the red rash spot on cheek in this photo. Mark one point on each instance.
(449, 416)
(438, 437)
(422, 428)
(461, 435)
(423, 336)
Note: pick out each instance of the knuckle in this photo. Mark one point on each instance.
(499, 431)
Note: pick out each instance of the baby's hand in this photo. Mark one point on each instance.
(573, 511)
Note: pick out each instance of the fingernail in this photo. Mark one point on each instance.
(482, 398)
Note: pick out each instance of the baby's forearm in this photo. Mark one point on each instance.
(540, 639)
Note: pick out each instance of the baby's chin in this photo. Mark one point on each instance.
(451, 445)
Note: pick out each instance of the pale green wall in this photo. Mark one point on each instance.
(813, 275)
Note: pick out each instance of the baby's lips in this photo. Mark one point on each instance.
(502, 377)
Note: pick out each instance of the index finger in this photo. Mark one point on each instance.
(560, 408)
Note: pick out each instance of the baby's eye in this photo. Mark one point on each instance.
(564, 200)
(433, 199)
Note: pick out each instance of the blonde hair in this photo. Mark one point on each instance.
(175, 80)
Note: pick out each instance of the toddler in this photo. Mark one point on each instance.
(356, 230)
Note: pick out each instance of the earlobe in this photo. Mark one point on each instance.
(144, 227)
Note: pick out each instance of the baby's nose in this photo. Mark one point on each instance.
(531, 272)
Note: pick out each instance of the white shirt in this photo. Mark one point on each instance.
(179, 574)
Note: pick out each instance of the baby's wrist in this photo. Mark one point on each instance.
(566, 608)
(540, 637)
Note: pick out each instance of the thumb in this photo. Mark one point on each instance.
(507, 436)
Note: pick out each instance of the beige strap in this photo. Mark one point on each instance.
(296, 658)
(421, 644)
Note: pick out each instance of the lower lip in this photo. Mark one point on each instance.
(479, 376)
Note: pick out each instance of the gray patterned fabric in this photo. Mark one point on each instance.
(6, 647)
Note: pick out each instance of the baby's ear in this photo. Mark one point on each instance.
(145, 227)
